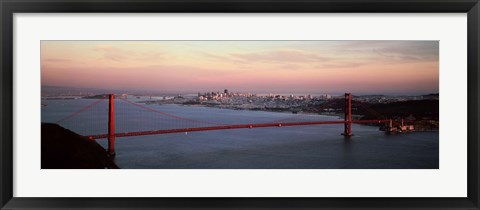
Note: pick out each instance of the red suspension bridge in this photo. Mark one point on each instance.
(181, 124)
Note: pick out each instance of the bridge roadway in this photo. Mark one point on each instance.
(238, 126)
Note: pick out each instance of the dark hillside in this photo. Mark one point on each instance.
(419, 109)
(64, 149)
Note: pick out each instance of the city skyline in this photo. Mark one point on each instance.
(363, 67)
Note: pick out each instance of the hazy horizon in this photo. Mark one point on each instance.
(173, 92)
(360, 67)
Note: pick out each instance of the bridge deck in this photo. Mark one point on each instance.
(238, 126)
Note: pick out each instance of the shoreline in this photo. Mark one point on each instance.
(256, 109)
(419, 126)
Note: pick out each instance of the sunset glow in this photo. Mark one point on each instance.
(366, 67)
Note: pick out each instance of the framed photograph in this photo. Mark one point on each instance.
(252, 105)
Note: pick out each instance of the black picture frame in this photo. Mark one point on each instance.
(10, 7)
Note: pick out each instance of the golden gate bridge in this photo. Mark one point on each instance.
(195, 125)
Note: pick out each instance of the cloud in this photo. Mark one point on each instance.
(120, 55)
(280, 56)
(150, 55)
(405, 55)
(57, 60)
(277, 56)
(113, 53)
(221, 58)
(289, 66)
(342, 64)
(393, 51)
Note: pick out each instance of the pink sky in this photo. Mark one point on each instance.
(367, 67)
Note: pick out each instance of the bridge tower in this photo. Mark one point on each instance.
(111, 125)
(348, 115)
